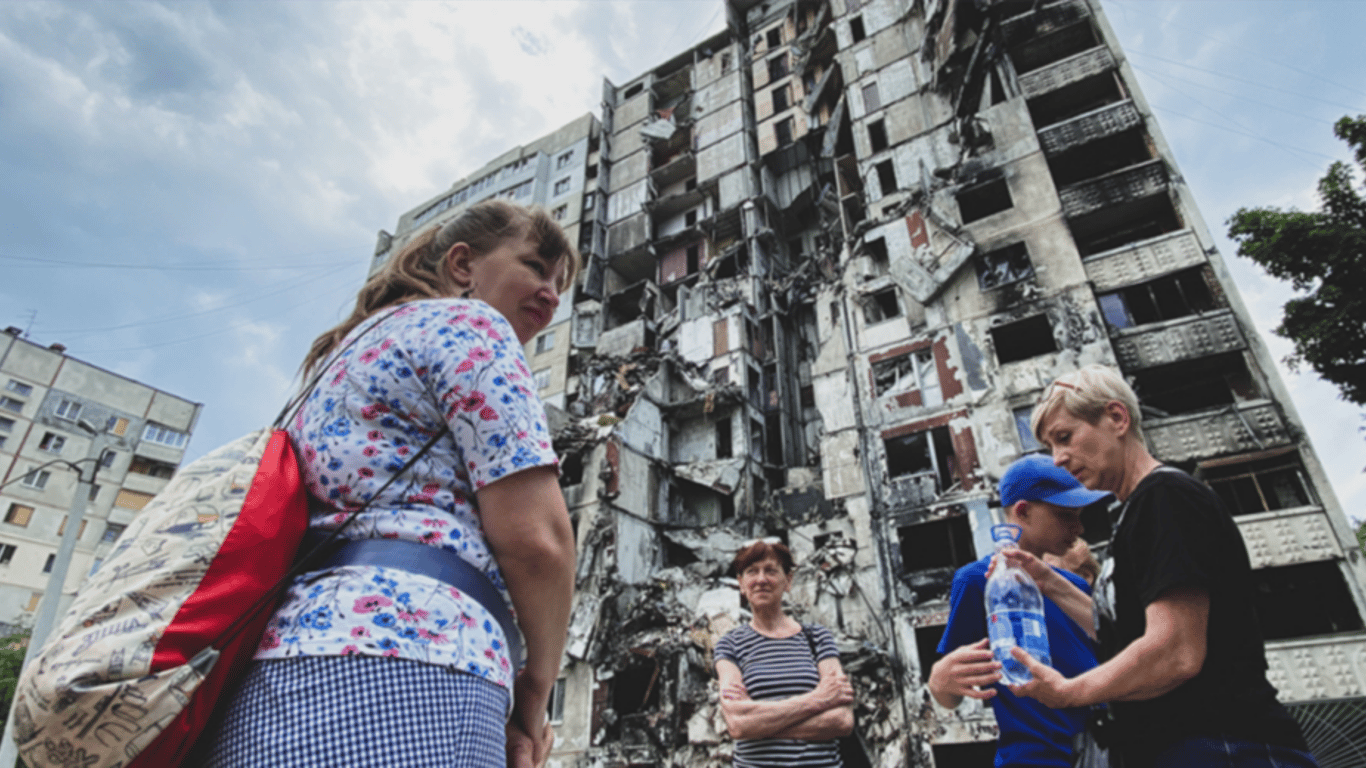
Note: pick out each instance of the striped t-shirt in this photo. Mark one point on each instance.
(780, 669)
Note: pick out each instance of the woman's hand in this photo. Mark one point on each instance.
(529, 735)
(833, 691)
(1049, 686)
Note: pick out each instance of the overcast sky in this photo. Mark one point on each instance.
(190, 191)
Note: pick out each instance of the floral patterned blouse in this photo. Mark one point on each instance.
(455, 361)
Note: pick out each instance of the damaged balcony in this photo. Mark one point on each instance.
(1177, 340)
(1101, 123)
(930, 547)
(1235, 428)
(1069, 71)
(1143, 180)
(1048, 34)
(1143, 260)
(1132, 221)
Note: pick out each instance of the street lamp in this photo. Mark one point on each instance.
(47, 607)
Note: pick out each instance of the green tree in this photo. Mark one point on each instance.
(1361, 536)
(1323, 255)
(11, 659)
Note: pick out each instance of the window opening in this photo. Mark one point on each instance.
(780, 101)
(68, 409)
(877, 135)
(929, 452)
(856, 30)
(559, 213)
(775, 37)
(561, 186)
(1261, 486)
(10, 404)
(163, 435)
(690, 218)
(983, 200)
(1195, 385)
(117, 425)
(783, 131)
(7, 554)
(545, 342)
(877, 251)
(1168, 297)
(633, 90)
(1028, 443)
(564, 159)
(1302, 600)
(37, 479)
(555, 706)
(541, 379)
(972, 754)
(52, 442)
(19, 514)
(94, 492)
(880, 306)
(1023, 339)
(926, 644)
(19, 388)
(61, 529)
(47, 566)
(886, 176)
(1004, 266)
(151, 467)
(723, 437)
(777, 67)
(943, 543)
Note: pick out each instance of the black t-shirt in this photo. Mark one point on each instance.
(1175, 532)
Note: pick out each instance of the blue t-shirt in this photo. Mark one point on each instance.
(1031, 734)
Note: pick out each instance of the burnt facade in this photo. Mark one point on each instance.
(834, 254)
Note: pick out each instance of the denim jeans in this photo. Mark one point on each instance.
(1219, 752)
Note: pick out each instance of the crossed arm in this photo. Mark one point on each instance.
(824, 712)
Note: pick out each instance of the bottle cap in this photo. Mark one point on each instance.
(1005, 532)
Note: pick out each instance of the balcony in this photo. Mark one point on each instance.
(1144, 260)
(1239, 428)
(1109, 120)
(1287, 537)
(1072, 69)
(1318, 668)
(1176, 340)
(1132, 183)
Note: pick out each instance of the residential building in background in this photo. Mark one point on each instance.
(58, 415)
(834, 255)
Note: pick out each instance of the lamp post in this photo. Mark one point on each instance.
(47, 607)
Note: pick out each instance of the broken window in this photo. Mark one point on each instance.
(773, 430)
(909, 373)
(1003, 266)
(782, 131)
(52, 442)
(1248, 487)
(723, 435)
(19, 514)
(872, 100)
(571, 469)
(880, 306)
(777, 67)
(942, 543)
(1303, 600)
(982, 200)
(929, 453)
(151, 467)
(877, 135)
(1168, 297)
(877, 251)
(780, 100)
(856, 30)
(690, 218)
(635, 689)
(1195, 385)
(554, 710)
(1023, 339)
(775, 37)
(633, 90)
(886, 176)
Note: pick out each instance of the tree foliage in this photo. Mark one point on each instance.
(11, 659)
(1323, 255)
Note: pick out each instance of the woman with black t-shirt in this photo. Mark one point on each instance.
(1186, 669)
(784, 695)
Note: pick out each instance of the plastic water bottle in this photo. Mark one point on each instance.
(1014, 612)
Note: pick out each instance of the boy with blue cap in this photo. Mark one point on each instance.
(1045, 502)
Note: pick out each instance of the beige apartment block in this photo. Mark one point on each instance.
(59, 415)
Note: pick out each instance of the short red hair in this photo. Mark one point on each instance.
(760, 550)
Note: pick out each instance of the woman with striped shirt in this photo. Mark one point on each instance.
(784, 695)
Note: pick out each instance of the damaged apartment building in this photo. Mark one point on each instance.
(833, 254)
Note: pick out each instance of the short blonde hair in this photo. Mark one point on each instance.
(1085, 393)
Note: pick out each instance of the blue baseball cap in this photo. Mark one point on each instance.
(1036, 478)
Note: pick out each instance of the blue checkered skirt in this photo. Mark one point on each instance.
(358, 712)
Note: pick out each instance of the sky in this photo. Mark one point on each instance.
(190, 191)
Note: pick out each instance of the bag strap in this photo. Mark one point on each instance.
(302, 564)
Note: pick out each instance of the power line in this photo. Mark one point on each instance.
(1300, 94)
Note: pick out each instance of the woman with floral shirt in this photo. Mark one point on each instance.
(439, 333)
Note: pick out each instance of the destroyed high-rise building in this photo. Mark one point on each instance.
(833, 255)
